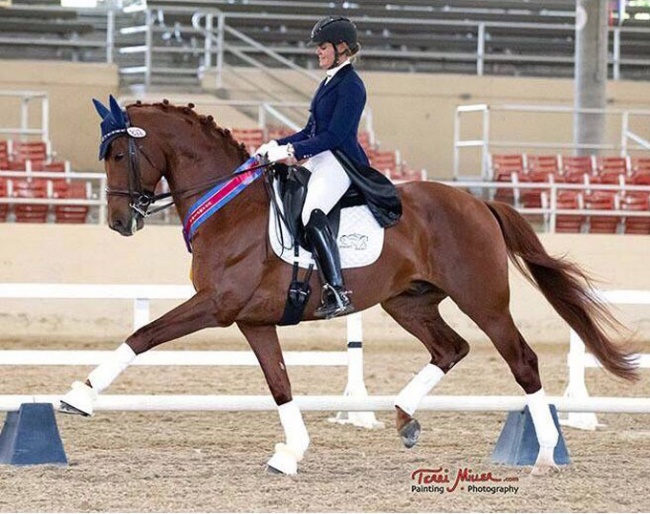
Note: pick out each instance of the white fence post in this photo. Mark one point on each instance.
(356, 386)
(577, 387)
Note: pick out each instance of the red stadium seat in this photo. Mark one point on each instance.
(506, 168)
(639, 177)
(17, 165)
(576, 164)
(601, 201)
(502, 166)
(386, 162)
(70, 213)
(636, 202)
(566, 200)
(531, 197)
(612, 165)
(30, 213)
(4, 192)
(640, 165)
(607, 177)
(4, 155)
(542, 163)
(251, 138)
(32, 150)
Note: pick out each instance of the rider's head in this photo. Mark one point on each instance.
(337, 35)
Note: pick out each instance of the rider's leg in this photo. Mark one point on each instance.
(327, 184)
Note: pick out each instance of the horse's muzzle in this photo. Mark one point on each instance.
(128, 226)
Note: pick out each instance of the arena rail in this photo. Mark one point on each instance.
(141, 296)
(579, 360)
(333, 403)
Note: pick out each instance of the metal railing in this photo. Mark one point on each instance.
(98, 199)
(550, 212)
(628, 139)
(26, 105)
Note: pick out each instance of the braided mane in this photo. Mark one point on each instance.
(207, 122)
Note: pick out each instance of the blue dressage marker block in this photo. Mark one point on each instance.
(31, 436)
(517, 444)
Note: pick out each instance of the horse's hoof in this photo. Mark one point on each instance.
(78, 400)
(410, 433)
(273, 471)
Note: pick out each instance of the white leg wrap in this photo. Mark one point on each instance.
(287, 456)
(547, 434)
(420, 385)
(104, 374)
(295, 430)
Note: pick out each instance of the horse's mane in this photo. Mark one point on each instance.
(207, 122)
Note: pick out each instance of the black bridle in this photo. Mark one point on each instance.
(141, 199)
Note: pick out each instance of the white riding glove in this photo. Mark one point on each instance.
(263, 149)
(278, 153)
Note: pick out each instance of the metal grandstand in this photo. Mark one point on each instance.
(173, 42)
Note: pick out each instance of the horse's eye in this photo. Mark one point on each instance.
(119, 156)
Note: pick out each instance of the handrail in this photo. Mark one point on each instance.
(57, 175)
(25, 97)
(486, 143)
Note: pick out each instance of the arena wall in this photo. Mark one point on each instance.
(157, 255)
(74, 129)
(411, 112)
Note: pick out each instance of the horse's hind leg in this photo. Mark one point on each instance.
(417, 312)
(263, 339)
(522, 360)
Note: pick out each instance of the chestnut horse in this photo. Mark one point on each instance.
(447, 244)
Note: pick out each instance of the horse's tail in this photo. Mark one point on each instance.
(567, 288)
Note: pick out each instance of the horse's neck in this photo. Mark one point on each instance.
(254, 194)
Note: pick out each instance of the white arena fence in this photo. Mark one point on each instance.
(141, 296)
(579, 360)
(355, 406)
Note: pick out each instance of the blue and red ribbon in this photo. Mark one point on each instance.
(217, 197)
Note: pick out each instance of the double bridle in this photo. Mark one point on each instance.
(141, 199)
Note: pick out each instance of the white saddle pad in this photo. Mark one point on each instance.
(360, 239)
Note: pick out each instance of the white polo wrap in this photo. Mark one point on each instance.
(420, 385)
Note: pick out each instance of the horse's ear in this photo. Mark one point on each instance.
(116, 110)
(102, 110)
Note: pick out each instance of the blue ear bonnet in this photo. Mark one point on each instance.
(114, 123)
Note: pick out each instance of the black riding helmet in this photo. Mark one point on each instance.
(335, 30)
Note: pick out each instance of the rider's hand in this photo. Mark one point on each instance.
(263, 150)
(278, 153)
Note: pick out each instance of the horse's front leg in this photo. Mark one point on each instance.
(195, 314)
(263, 339)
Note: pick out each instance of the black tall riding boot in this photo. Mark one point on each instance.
(335, 300)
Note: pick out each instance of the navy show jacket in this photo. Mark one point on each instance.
(335, 113)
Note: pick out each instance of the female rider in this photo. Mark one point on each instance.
(333, 124)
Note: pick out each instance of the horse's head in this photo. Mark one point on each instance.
(134, 164)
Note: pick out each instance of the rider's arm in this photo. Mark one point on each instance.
(345, 117)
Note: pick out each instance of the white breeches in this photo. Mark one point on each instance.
(327, 184)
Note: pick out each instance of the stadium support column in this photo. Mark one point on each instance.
(590, 74)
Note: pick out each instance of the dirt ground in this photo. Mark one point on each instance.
(215, 462)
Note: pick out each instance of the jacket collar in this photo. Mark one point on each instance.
(323, 89)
